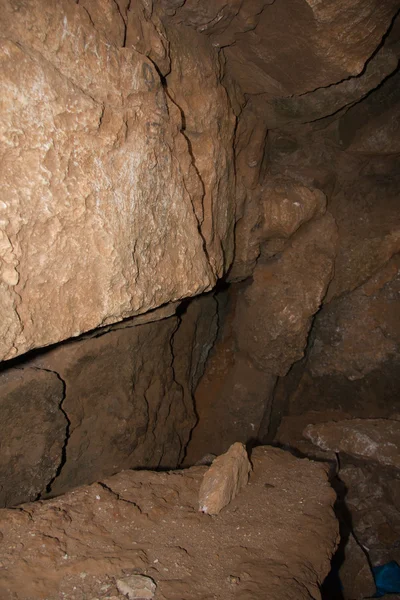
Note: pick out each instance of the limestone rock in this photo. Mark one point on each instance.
(323, 102)
(208, 126)
(366, 213)
(126, 397)
(137, 587)
(373, 126)
(355, 573)
(98, 220)
(323, 44)
(290, 432)
(372, 439)
(359, 332)
(124, 405)
(233, 395)
(287, 205)
(373, 499)
(274, 314)
(33, 433)
(224, 479)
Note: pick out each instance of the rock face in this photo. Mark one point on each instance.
(373, 500)
(274, 314)
(290, 47)
(228, 474)
(33, 430)
(377, 440)
(355, 573)
(82, 544)
(100, 217)
(89, 408)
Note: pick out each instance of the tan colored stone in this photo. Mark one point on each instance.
(274, 314)
(372, 439)
(208, 126)
(286, 205)
(290, 432)
(228, 474)
(97, 218)
(137, 587)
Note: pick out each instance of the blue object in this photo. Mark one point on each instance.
(387, 579)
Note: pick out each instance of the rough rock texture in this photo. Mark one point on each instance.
(274, 315)
(33, 429)
(291, 428)
(351, 363)
(99, 219)
(232, 396)
(373, 501)
(263, 329)
(376, 440)
(89, 408)
(75, 547)
(136, 587)
(225, 478)
(289, 47)
(355, 573)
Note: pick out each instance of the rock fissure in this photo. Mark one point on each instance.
(46, 492)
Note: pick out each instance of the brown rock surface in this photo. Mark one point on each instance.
(232, 396)
(291, 427)
(98, 217)
(290, 47)
(359, 332)
(136, 587)
(366, 213)
(274, 314)
(373, 500)
(371, 439)
(225, 478)
(276, 538)
(121, 397)
(33, 432)
(123, 402)
(355, 573)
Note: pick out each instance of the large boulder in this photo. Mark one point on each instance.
(99, 218)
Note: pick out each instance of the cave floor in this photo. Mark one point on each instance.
(274, 540)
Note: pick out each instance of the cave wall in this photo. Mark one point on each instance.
(107, 210)
(116, 399)
(205, 196)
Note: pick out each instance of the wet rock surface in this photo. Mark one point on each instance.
(143, 523)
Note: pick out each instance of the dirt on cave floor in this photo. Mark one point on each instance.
(274, 540)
